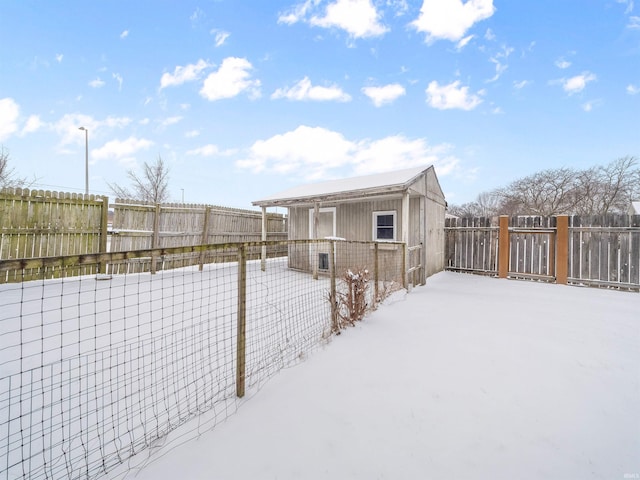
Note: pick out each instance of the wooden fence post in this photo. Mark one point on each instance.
(503, 247)
(104, 221)
(316, 246)
(242, 322)
(155, 240)
(333, 293)
(405, 280)
(263, 250)
(205, 235)
(562, 249)
(376, 273)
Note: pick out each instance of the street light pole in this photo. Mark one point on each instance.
(86, 159)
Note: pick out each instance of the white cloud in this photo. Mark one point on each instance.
(184, 74)
(232, 78)
(400, 6)
(297, 13)
(633, 89)
(192, 133)
(313, 149)
(9, 112)
(634, 23)
(578, 83)
(303, 90)
(359, 18)
(114, 122)
(315, 153)
(97, 83)
(520, 85)
(628, 3)
(463, 42)
(384, 95)
(170, 121)
(397, 152)
(196, 16)
(562, 63)
(121, 150)
(124, 34)
(445, 97)
(32, 124)
(497, 60)
(220, 37)
(489, 35)
(451, 19)
(67, 127)
(206, 151)
(59, 57)
(118, 78)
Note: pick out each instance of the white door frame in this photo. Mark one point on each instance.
(314, 253)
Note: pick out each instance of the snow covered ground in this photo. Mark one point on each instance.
(466, 377)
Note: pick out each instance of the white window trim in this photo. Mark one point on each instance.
(322, 210)
(374, 229)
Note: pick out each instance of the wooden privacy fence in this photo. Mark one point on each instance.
(37, 223)
(145, 226)
(588, 250)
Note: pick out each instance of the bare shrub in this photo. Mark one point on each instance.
(352, 296)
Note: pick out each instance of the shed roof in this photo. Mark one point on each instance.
(387, 183)
(636, 206)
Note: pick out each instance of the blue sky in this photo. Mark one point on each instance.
(243, 99)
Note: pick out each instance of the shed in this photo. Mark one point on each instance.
(634, 208)
(403, 206)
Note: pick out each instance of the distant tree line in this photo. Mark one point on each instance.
(563, 191)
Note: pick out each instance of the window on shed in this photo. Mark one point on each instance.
(384, 226)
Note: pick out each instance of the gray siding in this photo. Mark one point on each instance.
(354, 221)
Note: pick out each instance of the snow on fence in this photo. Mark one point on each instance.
(95, 369)
(586, 250)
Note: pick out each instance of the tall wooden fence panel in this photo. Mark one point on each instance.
(605, 250)
(471, 244)
(531, 246)
(602, 250)
(37, 223)
(143, 226)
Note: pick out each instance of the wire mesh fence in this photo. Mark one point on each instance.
(95, 369)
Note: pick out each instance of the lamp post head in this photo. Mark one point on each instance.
(82, 128)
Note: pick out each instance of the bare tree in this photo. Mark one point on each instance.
(8, 176)
(549, 192)
(486, 204)
(151, 186)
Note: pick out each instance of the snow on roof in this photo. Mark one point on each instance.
(387, 182)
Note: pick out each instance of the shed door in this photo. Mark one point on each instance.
(326, 228)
